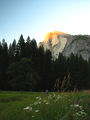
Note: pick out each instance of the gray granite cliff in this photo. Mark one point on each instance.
(67, 44)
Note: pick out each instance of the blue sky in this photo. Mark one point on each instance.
(38, 17)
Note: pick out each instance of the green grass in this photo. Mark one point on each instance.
(55, 106)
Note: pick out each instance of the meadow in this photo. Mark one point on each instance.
(39, 106)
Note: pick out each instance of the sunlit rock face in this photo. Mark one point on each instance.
(55, 42)
(53, 35)
(59, 42)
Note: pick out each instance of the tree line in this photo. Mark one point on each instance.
(25, 67)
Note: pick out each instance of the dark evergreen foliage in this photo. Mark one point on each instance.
(25, 67)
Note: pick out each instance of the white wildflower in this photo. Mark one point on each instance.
(76, 105)
(78, 114)
(37, 97)
(37, 111)
(28, 108)
(83, 113)
(47, 103)
(35, 103)
(58, 97)
(40, 98)
(39, 102)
